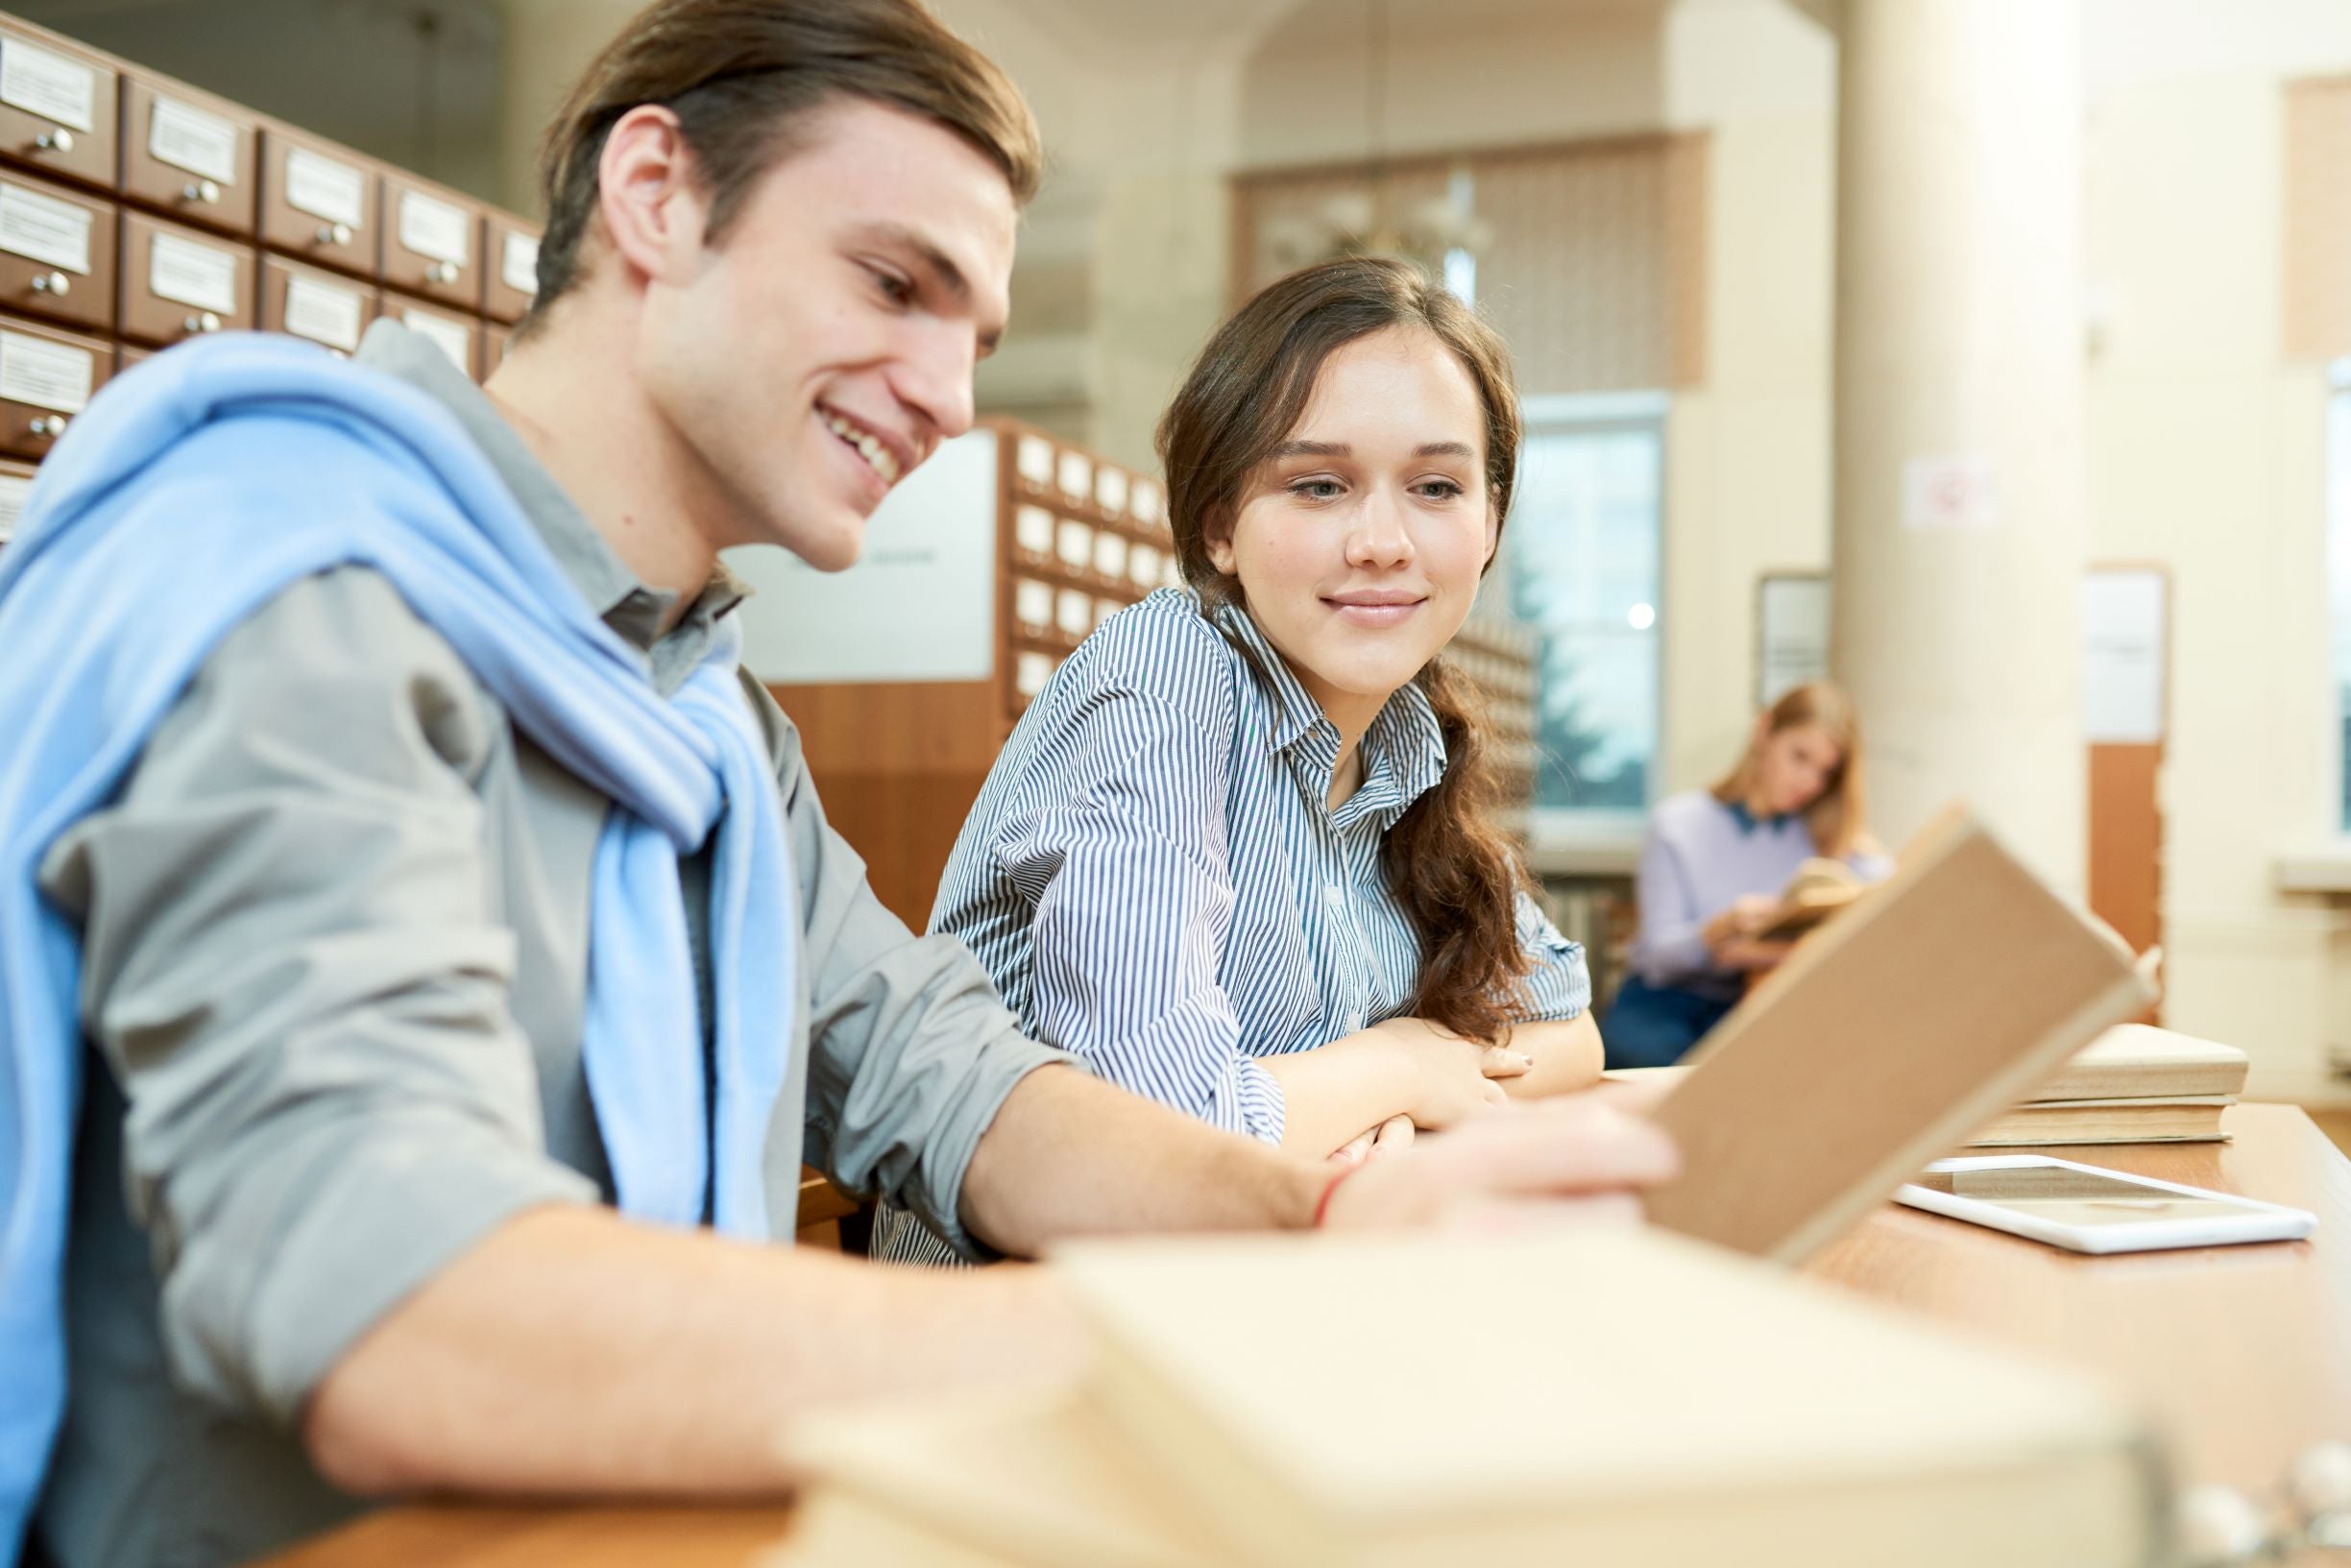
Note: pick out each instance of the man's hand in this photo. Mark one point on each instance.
(1574, 1154)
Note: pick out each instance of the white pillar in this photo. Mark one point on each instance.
(1960, 476)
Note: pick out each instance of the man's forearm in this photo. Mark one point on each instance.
(1070, 1155)
(576, 1351)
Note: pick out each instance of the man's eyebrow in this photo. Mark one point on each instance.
(940, 266)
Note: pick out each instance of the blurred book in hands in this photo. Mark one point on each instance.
(1421, 1401)
(1819, 889)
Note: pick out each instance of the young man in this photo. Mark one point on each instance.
(463, 960)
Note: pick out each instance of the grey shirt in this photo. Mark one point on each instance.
(335, 941)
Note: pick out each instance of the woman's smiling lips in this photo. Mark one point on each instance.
(1375, 606)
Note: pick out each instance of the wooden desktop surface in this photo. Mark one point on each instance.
(2241, 1355)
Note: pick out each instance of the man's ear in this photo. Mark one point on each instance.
(647, 198)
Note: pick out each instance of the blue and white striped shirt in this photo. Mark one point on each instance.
(1156, 881)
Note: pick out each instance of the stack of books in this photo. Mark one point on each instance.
(2134, 1084)
(1609, 1396)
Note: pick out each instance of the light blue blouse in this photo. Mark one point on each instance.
(1701, 857)
(1156, 882)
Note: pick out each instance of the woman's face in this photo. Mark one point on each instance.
(1359, 542)
(1793, 766)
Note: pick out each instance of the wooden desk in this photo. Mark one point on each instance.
(2241, 1355)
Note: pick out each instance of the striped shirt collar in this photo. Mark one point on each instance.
(1404, 750)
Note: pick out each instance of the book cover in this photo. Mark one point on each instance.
(1600, 1394)
(1889, 1038)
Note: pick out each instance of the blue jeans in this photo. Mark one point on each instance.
(1655, 1025)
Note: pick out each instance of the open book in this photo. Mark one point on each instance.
(1819, 889)
(1885, 1042)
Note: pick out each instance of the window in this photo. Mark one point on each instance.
(1581, 566)
(2338, 570)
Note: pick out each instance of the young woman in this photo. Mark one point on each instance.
(1237, 856)
(1715, 862)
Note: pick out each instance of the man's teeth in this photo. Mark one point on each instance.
(883, 461)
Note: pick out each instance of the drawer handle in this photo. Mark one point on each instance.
(203, 190)
(206, 322)
(48, 425)
(334, 233)
(443, 272)
(59, 141)
(56, 283)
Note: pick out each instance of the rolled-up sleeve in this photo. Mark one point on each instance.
(911, 1052)
(1119, 832)
(292, 967)
(1557, 982)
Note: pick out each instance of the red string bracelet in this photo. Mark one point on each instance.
(1322, 1203)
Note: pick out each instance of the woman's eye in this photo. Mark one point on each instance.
(1441, 489)
(1316, 490)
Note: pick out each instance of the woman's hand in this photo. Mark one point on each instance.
(1747, 955)
(1746, 915)
(1454, 1078)
(1373, 1143)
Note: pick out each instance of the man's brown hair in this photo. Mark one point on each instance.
(744, 76)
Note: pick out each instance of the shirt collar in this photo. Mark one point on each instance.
(625, 603)
(1403, 750)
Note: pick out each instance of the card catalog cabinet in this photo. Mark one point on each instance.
(188, 154)
(57, 105)
(57, 251)
(137, 212)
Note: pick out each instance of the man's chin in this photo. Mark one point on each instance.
(832, 542)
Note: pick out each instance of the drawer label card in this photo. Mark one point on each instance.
(56, 233)
(14, 490)
(192, 274)
(444, 334)
(436, 230)
(324, 189)
(45, 374)
(518, 264)
(323, 313)
(50, 85)
(192, 138)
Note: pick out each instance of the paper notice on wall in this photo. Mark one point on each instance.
(920, 604)
(1947, 494)
(50, 85)
(1791, 634)
(190, 138)
(2122, 613)
(45, 230)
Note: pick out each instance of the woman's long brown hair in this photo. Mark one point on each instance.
(1446, 863)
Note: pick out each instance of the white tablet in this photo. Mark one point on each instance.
(2083, 1208)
